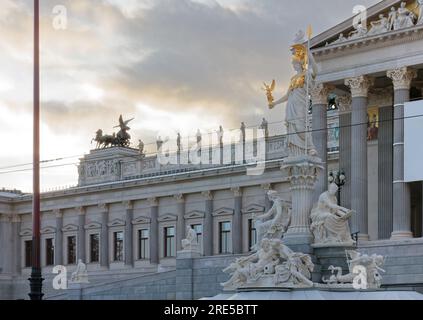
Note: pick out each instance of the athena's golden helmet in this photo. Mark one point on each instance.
(299, 54)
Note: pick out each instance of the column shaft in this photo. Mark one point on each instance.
(104, 239)
(320, 140)
(345, 156)
(385, 172)
(237, 226)
(401, 190)
(129, 254)
(359, 187)
(81, 237)
(58, 243)
(154, 235)
(208, 229)
(180, 227)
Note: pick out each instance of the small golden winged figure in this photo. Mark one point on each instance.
(269, 92)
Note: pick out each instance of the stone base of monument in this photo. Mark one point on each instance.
(74, 291)
(333, 255)
(318, 294)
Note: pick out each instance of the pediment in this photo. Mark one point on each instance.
(332, 37)
(223, 212)
(253, 208)
(116, 223)
(92, 225)
(48, 230)
(195, 214)
(167, 217)
(26, 233)
(70, 228)
(141, 220)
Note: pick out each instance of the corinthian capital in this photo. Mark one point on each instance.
(359, 86)
(402, 77)
(344, 103)
(320, 92)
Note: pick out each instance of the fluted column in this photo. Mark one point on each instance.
(319, 96)
(154, 231)
(81, 233)
(58, 243)
(344, 105)
(237, 221)
(267, 203)
(208, 224)
(104, 235)
(180, 226)
(359, 186)
(16, 257)
(129, 252)
(401, 79)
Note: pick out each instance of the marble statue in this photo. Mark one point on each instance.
(274, 223)
(371, 264)
(265, 127)
(341, 39)
(243, 128)
(296, 270)
(141, 146)
(420, 18)
(159, 144)
(220, 133)
(178, 142)
(80, 275)
(273, 265)
(359, 32)
(199, 137)
(392, 18)
(329, 220)
(190, 243)
(379, 26)
(298, 138)
(405, 18)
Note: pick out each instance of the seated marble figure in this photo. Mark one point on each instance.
(329, 220)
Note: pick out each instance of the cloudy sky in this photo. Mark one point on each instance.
(172, 64)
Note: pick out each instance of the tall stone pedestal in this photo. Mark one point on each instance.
(303, 173)
(184, 274)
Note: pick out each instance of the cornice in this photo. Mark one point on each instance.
(370, 43)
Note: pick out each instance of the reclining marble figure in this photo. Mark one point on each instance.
(330, 221)
(372, 264)
(273, 265)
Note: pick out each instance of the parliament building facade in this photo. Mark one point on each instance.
(128, 214)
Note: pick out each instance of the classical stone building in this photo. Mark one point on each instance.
(127, 216)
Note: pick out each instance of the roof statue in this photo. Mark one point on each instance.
(121, 139)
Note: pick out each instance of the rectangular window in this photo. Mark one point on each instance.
(252, 234)
(198, 228)
(49, 252)
(94, 248)
(225, 237)
(118, 246)
(169, 242)
(143, 244)
(71, 250)
(28, 254)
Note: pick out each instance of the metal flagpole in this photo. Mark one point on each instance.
(36, 280)
(309, 33)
